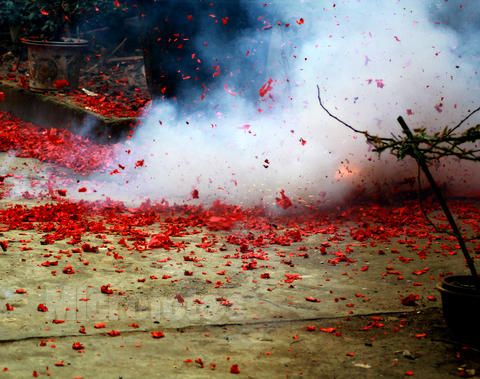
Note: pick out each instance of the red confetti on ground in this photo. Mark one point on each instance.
(106, 289)
(118, 105)
(157, 334)
(235, 369)
(4, 245)
(77, 346)
(68, 269)
(42, 308)
(328, 330)
(61, 83)
(410, 300)
(52, 145)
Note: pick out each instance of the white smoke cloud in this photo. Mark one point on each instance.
(373, 60)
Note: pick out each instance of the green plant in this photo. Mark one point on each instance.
(426, 148)
(54, 19)
(11, 11)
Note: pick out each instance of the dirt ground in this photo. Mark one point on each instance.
(323, 303)
(326, 303)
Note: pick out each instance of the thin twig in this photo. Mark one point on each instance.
(335, 117)
(465, 119)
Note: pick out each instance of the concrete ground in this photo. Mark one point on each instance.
(313, 297)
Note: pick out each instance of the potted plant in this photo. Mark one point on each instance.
(460, 293)
(11, 16)
(50, 30)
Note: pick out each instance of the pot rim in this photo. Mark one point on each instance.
(461, 293)
(67, 42)
(446, 286)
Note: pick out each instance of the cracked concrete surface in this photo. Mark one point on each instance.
(220, 315)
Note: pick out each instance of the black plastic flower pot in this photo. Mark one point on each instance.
(461, 305)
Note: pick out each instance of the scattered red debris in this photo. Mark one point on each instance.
(290, 278)
(180, 298)
(235, 369)
(160, 240)
(106, 289)
(52, 145)
(421, 272)
(42, 308)
(4, 245)
(68, 269)
(410, 300)
(77, 346)
(266, 88)
(118, 105)
(157, 334)
(61, 84)
(283, 201)
(199, 361)
(328, 330)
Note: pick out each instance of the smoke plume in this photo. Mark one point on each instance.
(247, 137)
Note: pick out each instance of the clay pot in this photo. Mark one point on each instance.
(54, 65)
